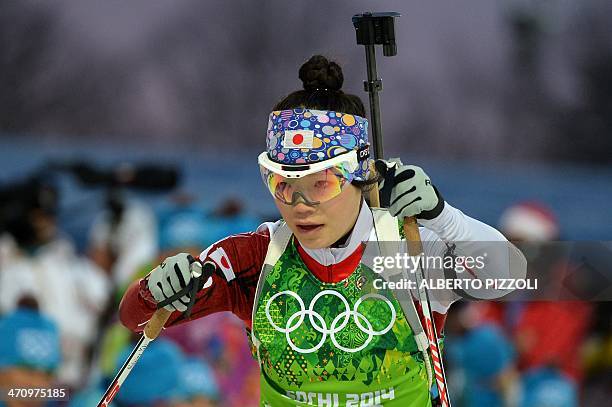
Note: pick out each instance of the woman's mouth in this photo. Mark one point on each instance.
(309, 228)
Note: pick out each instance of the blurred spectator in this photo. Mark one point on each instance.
(154, 379)
(551, 334)
(182, 226)
(229, 218)
(164, 378)
(546, 387)
(123, 237)
(29, 352)
(197, 387)
(185, 224)
(546, 333)
(529, 221)
(481, 363)
(220, 340)
(39, 262)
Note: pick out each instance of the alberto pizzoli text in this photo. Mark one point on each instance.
(459, 284)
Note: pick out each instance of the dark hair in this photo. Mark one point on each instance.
(322, 80)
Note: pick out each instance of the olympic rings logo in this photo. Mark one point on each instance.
(321, 326)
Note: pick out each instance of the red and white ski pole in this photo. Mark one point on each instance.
(151, 331)
(415, 248)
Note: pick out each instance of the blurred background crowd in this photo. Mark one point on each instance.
(129, 132)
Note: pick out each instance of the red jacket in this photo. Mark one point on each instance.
(239, 259)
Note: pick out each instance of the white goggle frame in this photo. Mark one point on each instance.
(301, 170)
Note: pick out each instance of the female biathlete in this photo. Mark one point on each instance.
(324, 329)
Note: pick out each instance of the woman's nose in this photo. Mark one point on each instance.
(301, 208)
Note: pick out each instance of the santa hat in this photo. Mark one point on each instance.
(530, 221)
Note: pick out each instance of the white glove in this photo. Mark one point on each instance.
(170, 277)
(407, 191)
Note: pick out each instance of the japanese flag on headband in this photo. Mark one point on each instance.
(222, 261)
(298, 139)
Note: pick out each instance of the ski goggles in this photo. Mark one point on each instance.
(313, 183)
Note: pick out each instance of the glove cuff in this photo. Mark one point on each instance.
(145, 294)
(436, 211)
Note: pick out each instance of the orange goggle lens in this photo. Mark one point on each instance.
(313, 188)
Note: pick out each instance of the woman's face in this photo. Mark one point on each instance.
(322, 225)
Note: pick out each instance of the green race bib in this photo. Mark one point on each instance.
(334, 344)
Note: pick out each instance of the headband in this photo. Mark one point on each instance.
(304, 136)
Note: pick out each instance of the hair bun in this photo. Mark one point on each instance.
(320, 73)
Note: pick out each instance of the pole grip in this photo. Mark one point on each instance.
(156, 323)
(413, 237)
(374, 198)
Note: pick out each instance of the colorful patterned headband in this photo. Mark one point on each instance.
(304, 136)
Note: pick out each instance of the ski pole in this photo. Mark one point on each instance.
(150, 332)
(379, 29)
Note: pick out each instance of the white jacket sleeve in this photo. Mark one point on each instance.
(480, 252)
